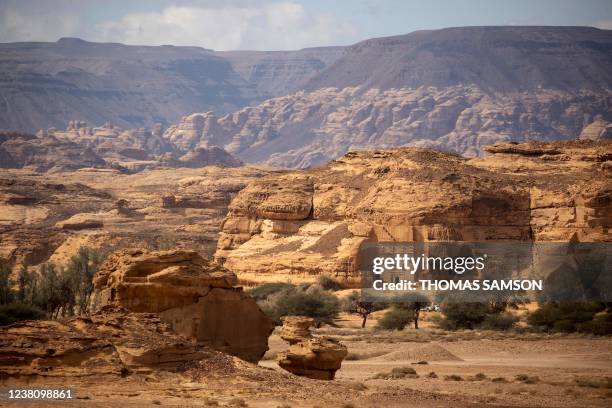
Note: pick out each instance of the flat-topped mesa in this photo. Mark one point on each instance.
(298, 225)
(308, 356)
(192, 295)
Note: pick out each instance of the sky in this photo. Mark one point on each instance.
(275, 24)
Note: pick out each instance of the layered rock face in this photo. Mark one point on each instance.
(19, 150)
(46, 217)
(308, 356)
(456, 89)
(310, 128)
(109, 342)
(195, 297)
(299, 225)
(145, 84)
(81, 146)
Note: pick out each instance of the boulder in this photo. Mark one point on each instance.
(308, 356)
(194, 296)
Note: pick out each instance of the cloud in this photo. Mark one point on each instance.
(269, 26)
(606, 24)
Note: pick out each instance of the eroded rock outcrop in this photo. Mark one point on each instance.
(304, 129)
(195, 297)
(298, 225)
(112, 341)
(308, 356)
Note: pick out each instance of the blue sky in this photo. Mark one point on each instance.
(276, 24)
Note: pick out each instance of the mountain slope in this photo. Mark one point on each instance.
(456, 89)
(48, 84)
(494, 58)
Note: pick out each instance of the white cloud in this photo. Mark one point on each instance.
(271, 26)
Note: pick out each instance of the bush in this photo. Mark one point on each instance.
(328, 283)
(463, 315)
(395, 319)
(398, 373)
(314, 302)
(588, 317)
(504, 321)
(14, 312)
(453, 377)
(262, 292)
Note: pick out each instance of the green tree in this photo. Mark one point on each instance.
(6, 294)
(354, 304)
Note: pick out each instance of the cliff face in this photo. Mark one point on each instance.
(305, 129)
(495, 58)
(47, 84)
(299, 225)
(455, 89)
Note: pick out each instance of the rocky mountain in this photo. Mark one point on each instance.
(456, 89)
(278, 73)
(310, 128)
(20, 150)
(296, 226)
(498, 58)
(49, 84)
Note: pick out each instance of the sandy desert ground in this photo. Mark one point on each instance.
(472, 369)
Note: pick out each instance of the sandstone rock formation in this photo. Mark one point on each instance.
(306, 129)
(195, 297)
(308, 356)
(43, 216)
(47, 153)
(109, 342)
(298, 225)
(456, 89)
(139, 149)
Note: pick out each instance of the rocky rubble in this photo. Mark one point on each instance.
(109, 342)
(194, 296)
(299, 225)
(308, 356)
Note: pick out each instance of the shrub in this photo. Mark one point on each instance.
(432, 375)
(571, 317)
(398, 373)
(314, 302)
(14, 312)
(463, 315)
(262, 292)
(453, 377)
(327, 283)
(395, 319)
(526, 378)
(504, 321)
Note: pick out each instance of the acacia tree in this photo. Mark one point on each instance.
(354, 304)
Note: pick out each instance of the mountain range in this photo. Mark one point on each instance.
(455, 89)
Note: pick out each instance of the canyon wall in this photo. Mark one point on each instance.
(300, 225)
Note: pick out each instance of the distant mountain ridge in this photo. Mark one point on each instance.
(48, 84)
(456, 89)
(506, 58)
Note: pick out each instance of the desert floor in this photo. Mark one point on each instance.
(472, 369)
